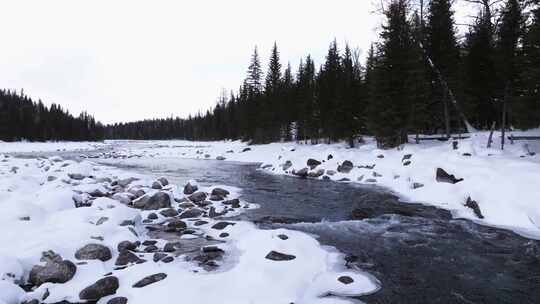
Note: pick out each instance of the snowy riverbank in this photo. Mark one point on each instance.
(85, 232)
(504, 184)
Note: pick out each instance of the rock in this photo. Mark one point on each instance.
(331, 172)
(158, 256)
(246, 149)
(149, 242)
(216, 198)
(223, 235)
(313, 163)
(220, 158)
(197, 197)
(156, 185)
(200, 223)
(118, 300)
(380, 156)
(371, 180)
(136, 192)
(209, 249)
(124, 182)
(220, 191)
(329, 157)
(171, 212)
(278, 256)
(94, 252)
(177, 224)
(301, 173)
(102, 288)
(443, 177)
(76, 176)
(283, 237)
(286, 165)
(407, 162)
(171, 246)
(163, 181)
(186, 205)
(345, 280)
(235, 203)
(55, 270)
(316, 174)
(417, 185)
(152, 216)
(345, 167)
(122, 198)
(375, 174)
(158, 200)
(151, 248)
(127, 257)
(167, 259)
(150, 280)
(475, 207)
(190, 189)
(191, 213)
(405, 157)
(222, 225)
(126, 245)
(207, 156)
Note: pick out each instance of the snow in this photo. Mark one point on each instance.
(504, 183)
(39, 214)
(26, 147)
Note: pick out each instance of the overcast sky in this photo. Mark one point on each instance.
(131, 60)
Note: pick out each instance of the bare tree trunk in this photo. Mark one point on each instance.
(503, 124)
(490, 138)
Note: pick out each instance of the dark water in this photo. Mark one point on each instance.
(419, 253)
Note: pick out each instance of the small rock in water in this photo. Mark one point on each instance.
(197, 197)
(102, 288)
(345, 280)
(164, 182)
(313, 163)
(235, 203)
(190, 189)
(345, 167)
(278, 256)
(475, 207)
(221, 225)
(220, 192)
(150, 280)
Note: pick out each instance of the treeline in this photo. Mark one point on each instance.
(23, 119)
(419, 78)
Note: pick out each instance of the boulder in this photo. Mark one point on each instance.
(444, 177)
(156, 185)
(126, 246)
(55, 270)
(221, 225)
(101, 288)
(156, 201)
(345, 167)
(124, 182)
(220, 192)
(301, 173)
(235, 203)
(176, 224)
(163, 181)
(190, 189)
(191, 213)
(94, 252)
(278, 256)
(127, 257)
(151, 279)
(170, 212)
(313, 163)
(197, 197)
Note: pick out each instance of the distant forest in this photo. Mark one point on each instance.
(419, 78)
(23, 119)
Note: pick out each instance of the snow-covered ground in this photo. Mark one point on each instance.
(26, 147)
(70, 232)
(504, 184)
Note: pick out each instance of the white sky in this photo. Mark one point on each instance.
(130, 60)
